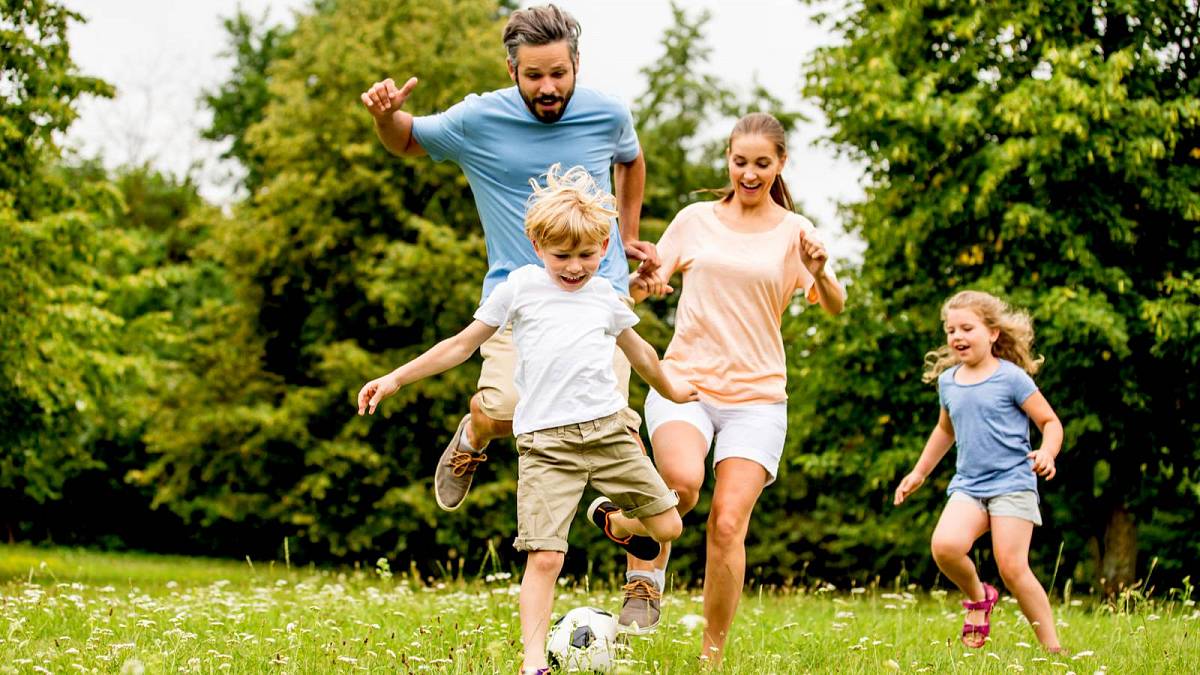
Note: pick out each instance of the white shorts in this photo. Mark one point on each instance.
(755, 432)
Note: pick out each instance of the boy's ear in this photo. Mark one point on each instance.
(604, 247)
(536, 249)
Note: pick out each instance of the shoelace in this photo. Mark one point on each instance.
(640, 589)
(463, 462)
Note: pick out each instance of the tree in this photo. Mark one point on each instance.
(241, 101)
(679, 111)
(56, 332)
(347, 261)
(1046, 153)
(38, 88)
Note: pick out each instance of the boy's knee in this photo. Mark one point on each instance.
(667, 527)
(544, 563)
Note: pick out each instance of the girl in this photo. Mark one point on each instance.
(988, 398)
(743, 258)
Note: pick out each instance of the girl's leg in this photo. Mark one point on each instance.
(739, 483)
(537, 599)
(958, 528)
(1010, 543)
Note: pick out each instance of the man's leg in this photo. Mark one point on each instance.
(490, 418)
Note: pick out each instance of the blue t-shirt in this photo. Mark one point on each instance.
(991, 431)
(500, 145)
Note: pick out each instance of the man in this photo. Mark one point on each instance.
(501, 139)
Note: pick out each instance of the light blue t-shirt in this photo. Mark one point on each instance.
(500, 145)
(991, 431)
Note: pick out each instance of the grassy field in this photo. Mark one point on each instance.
(66, 611)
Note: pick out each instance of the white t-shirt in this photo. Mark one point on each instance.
(565, 341)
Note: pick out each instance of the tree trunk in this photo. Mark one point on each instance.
(1119, 565)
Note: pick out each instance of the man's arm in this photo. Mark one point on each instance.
(393, 126)
(629, 185)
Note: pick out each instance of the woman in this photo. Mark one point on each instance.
(743, 258)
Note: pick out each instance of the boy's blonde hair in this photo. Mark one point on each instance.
(1015, 342)
(570, 210)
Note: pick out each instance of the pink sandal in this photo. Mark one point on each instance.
(990, 597)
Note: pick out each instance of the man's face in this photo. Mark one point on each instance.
(545, 76)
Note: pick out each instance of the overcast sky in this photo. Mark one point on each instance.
(160, 54)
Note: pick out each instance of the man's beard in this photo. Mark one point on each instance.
(548, 117)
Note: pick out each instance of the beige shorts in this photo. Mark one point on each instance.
(498, 395)
(556, 464)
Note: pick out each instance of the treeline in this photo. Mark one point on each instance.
(181, 379)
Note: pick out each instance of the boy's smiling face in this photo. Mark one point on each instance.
(570, 267)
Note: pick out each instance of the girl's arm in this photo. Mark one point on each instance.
(935, 449)
(1047, 422)
(645, 361)
(439, 358)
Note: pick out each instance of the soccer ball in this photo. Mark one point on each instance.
(583, 639)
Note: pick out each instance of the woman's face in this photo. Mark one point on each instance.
(753, 167)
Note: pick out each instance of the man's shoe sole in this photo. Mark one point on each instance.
(635, 629)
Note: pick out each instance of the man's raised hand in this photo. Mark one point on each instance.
(383, 98)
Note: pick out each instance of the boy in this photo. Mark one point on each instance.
(570, 433)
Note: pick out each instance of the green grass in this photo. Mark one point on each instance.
(68, 611)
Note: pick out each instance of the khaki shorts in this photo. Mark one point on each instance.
(556, 464)
(498, 395)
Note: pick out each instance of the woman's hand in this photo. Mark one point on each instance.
(813, 253)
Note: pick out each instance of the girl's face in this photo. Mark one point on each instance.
(969, 337)
(753, 167)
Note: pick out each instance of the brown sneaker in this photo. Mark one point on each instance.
(640, 613)
(456, 468)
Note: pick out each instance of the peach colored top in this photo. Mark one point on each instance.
(736, 286)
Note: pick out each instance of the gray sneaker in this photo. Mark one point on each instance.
(640, 613)
(456, 468)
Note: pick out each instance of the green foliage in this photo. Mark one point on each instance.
(1046, 153)
(38, 87)
(349, 261)
(241, 101)
(676, 115)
